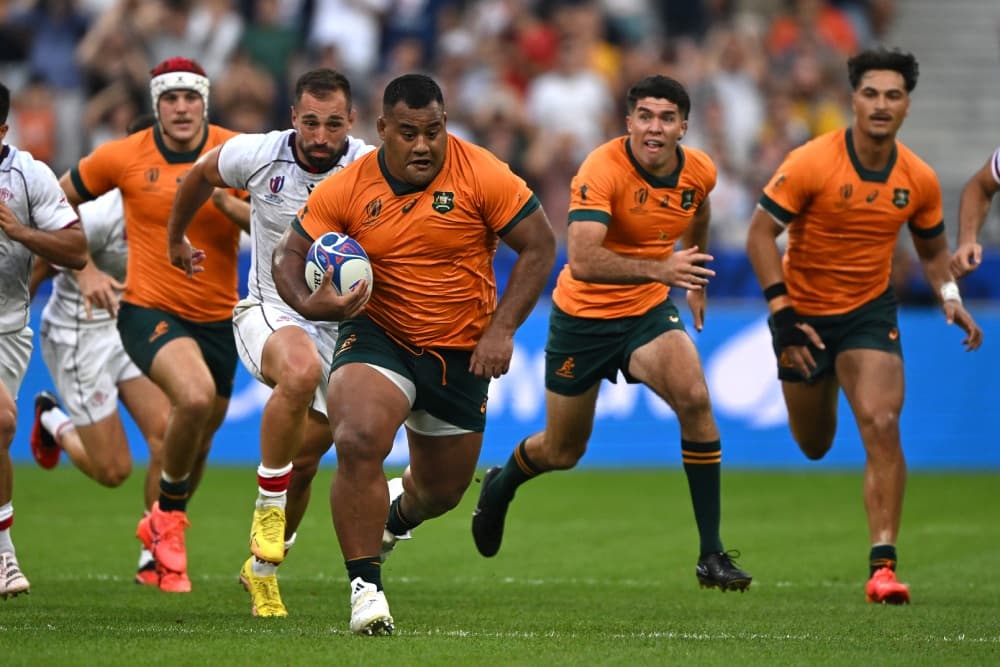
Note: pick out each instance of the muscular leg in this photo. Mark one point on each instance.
(364, 424)
(99, 450)
(8, 425)
(874, 386)
(440, 470)
(316, 443)
(150, 409)
(812, 414)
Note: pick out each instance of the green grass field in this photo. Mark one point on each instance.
(597, 568)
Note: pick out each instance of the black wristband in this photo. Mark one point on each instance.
(786, 333)
(774, 291)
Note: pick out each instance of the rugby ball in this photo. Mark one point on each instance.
(349, 261)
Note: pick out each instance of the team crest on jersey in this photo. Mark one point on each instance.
(900, 197)
(583, 193)
(5, 194)
(153, 174)
(372, 209)
(276, 183)
(687, 199)
(443, 201)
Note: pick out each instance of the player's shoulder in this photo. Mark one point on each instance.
(698, 161)
(356, 148)
(273, 145)
(34, 171)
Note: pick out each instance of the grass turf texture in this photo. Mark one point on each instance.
(597, 567)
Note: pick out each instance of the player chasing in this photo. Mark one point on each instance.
(973, 206)
(34, 220)
(178, 331)
(833, 312)
(90, 368)
(428, 208)
(277, 345)
(632, 199)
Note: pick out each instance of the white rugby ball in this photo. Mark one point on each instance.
(349, 261)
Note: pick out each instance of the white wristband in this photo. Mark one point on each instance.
(949, 292)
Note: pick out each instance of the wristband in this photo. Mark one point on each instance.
(772, 292)
(786, 333)
(949, 292)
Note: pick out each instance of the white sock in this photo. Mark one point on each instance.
(54, 421)
(263, 569)
(6, 545)
(267, 498)
(145, 558)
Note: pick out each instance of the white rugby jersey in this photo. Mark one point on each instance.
(995, 165)
(29, 189)
(265, 166)
(103, 222)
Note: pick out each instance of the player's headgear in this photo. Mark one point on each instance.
(178, 74)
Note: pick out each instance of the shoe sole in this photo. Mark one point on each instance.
(14, 594)
(380, 627)
(740, 585)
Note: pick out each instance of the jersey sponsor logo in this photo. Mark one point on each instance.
(900, 197)
(276, 183)
(443, 201)
(567, 368)
(687, 199)
(161, 328)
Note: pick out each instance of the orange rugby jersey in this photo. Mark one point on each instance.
(645, 215)
(147, 173)
(431, 248)
(843, 220)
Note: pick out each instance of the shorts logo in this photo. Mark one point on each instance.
(482, 408)
(98, 399)
(567, 368)
(900, 197)
(443, 201)
(347, 344)
(785, 361)
(160, 329)
(894, 334)
(687, 199)
(674, 319)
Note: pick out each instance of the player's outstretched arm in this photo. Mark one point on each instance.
(936, 263)
(194, 190)
(972, 210)
(64, 247)
(535, 244)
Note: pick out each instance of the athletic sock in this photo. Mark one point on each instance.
(398, 523)
(369, 569)
(518, 470)
(881, 555)
(263, 568)
(54, 421)
(173, 493)
(272, 486)
(702, 464)
(6, 521)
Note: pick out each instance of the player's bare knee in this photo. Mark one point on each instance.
(301, 381)
(360, 442)
(8, 425)
(197, 401)
(692, 405)
(560, 454)
(113, 476)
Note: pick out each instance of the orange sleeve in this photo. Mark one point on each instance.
(592, 190)
(931, 211)
(792, 186)
(98, 172)
(502, 193)
(319, 214)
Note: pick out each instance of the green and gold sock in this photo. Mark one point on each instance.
(702, 463)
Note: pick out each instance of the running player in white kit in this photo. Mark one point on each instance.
(35, 219)
(276, 344)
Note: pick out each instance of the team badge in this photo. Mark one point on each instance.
(373, 208)
(900, 197)
(443, 201)
(276, 184)
(687, 199)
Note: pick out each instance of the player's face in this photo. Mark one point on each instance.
(182, 117)
(654, 128)
(321, 127)
(880, 103)
(415, 142)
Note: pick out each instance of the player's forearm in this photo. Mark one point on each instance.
(600, 265)
(527, 280)
(765, 258)
(192, 193)
(973, 207)
(66, 247)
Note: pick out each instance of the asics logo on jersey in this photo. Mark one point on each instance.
(870, 198)
(408, 206)
(347, 344)
(152, 174)
(160, 329)
(567, 368)
(846, 191)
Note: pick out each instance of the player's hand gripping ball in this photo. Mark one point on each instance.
(346, 256)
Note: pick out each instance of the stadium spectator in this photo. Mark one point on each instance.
(833, 311)
(974, 205)
(633, 199)
(34, 220)
(277, 345)
(178, 331)
(415, 354)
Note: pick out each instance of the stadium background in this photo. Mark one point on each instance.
(540, 83)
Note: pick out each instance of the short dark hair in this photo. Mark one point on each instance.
(417, 91)
(882, 58)
(4, 103)
(660, 87)
(321, 82)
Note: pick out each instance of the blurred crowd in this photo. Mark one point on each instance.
(539, 82)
